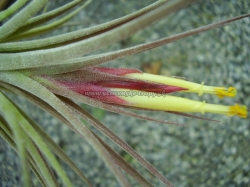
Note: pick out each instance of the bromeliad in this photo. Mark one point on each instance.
(45, 69)
(133, 88)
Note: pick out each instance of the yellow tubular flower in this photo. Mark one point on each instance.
(192, 87)
(154, 101)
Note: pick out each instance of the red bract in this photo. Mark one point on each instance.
(96, 83)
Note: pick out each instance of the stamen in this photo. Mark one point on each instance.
(238, 110)
(222, 92)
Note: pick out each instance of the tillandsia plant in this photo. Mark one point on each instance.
(52, 72)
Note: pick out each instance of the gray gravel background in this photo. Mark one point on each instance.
(204, 153)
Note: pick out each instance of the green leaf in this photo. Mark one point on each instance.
(49, 27)
(6, 134)
(72, 37)
(83, 62)
(20, 18)
(49, 57)
(12, 9)
(18, 119)
(40, 19)
(7, 110)
(23, 82)
(48, 140)
(122, 163)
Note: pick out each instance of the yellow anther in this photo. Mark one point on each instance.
(223, 92)
(238, 110)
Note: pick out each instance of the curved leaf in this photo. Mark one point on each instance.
(125, 165)
(40, 19)
(12, 9)
(119, 161)
(77, 35)
(55, 148)
(19, 119)
(83, 62)
(20, 18)
(7, 110)
(6, 134)
(29, 145)
(18, 79)
(97, 124)
(48, 57)
(49, 27)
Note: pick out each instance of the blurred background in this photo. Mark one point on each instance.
(202, 153)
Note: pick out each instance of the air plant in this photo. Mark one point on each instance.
(52, 72)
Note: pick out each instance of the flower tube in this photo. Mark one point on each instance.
(190, 86)
(166, 102)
